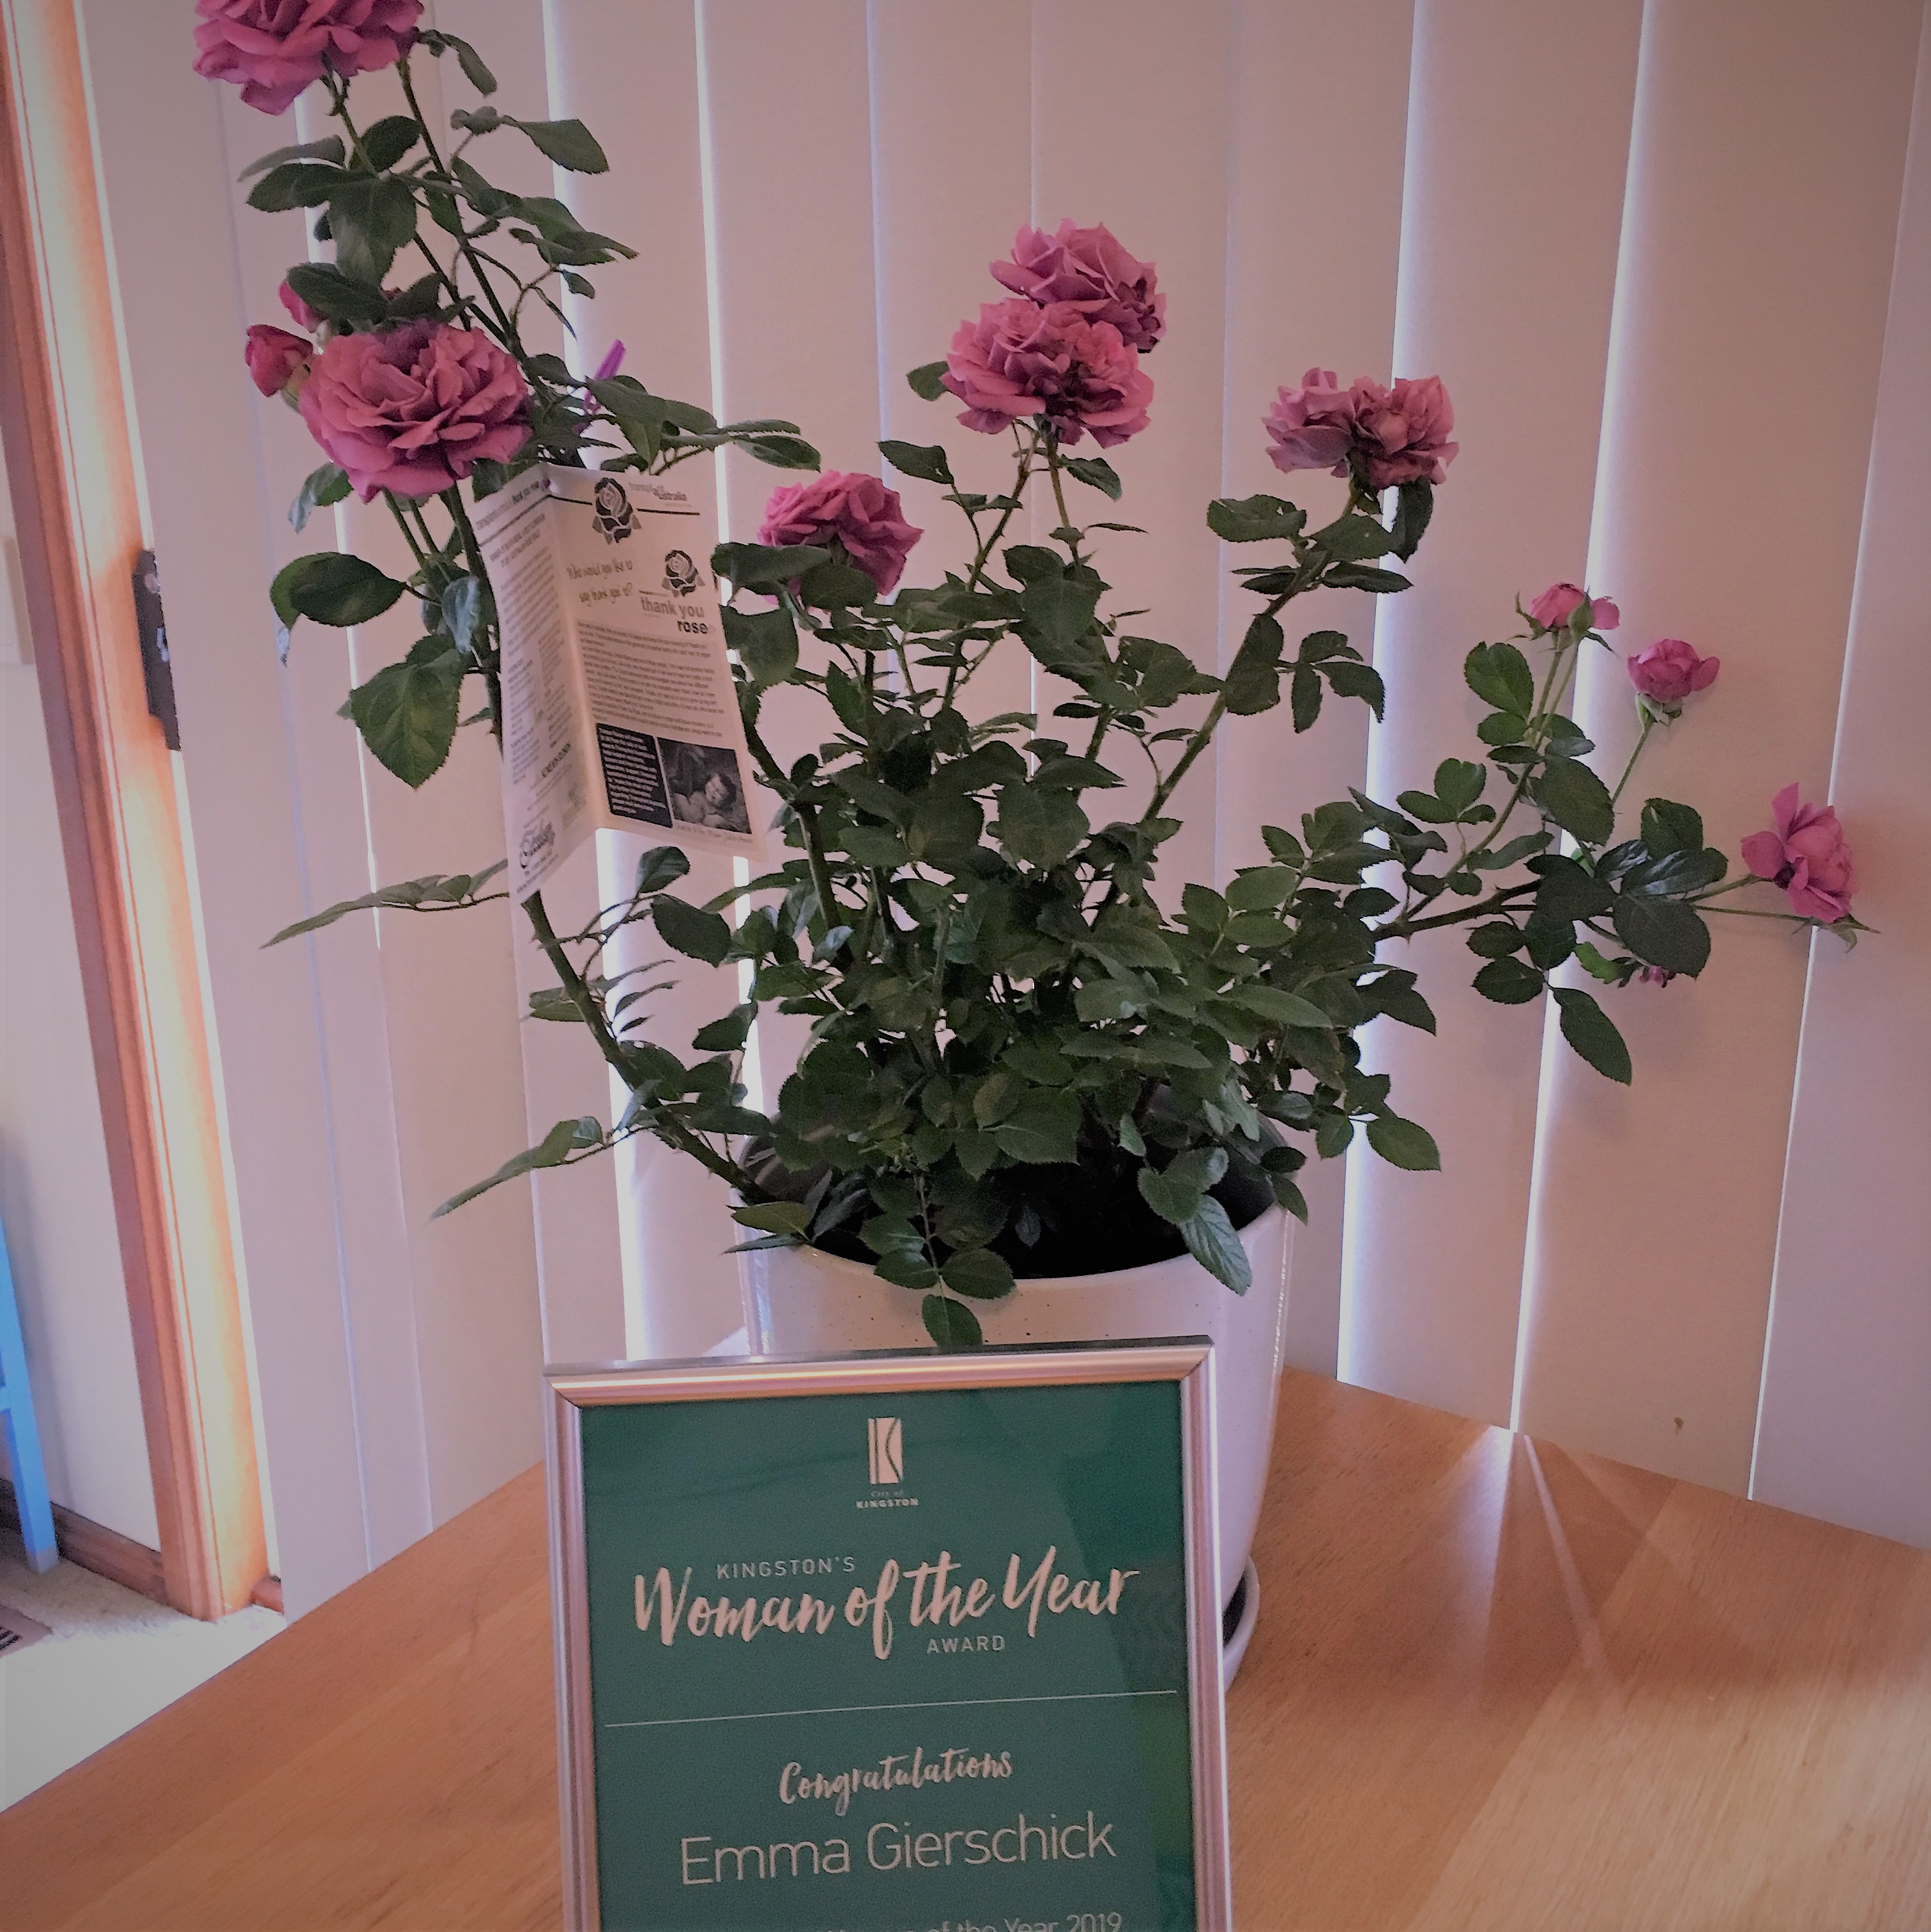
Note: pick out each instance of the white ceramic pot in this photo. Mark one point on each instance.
(802, 1301)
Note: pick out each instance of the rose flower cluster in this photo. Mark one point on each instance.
(1066, 349)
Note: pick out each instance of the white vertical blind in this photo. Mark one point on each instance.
(1649, 246)
(1514, 193)
(1298, 181)
(1844, 1429)
(1764, 179)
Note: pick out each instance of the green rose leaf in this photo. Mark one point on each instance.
(1500, 675)
(1177, 1192)
(337, 296)
(1414, 505)
(385, 143)
(1040, 825)
(1576, 800)
(696, 933)
(1366, 577)
(1668, 827)
(1593, 1034)
(332, 588)
(927, 381)
(1043, 1130)
(407, 713)
(979, 1272)
(328, 148)
(475, 71)
(1568, 891)
(952, 1324)
(1663, 932)
(566, 1138)
(925, 461)
(1254, 678)
(766, 642)
(1357, 680)
(371, 217)
(1354, 539)
(1096, 471)
(758, 567)
(319, 488)
(660, 866)
(295, 184)
(568, 143)
(1254, 519)
(1403, 1143)
(781, 452)
(774, 1217)
(1508, 983)
(1211, 1240)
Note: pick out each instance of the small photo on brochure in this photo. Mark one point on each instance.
(705, 786)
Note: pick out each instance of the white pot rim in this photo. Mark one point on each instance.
(1027, 1284)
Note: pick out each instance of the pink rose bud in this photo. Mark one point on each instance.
(1557, 604)
(274, 49)
(613, 361)
(1806, 855)
(416, 409)
(858, 510)
(1312, 428)
(275, 358)
(299, 311)
(1669, 671)
(1019, 359)
(1656, 976)
(1086, 268)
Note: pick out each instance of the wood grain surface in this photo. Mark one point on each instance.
(1493, 1686)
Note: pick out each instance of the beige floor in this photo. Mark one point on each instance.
(113, 1660)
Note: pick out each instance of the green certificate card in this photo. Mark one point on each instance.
(891, 1645)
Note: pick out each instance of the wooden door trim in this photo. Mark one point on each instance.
(65, 423)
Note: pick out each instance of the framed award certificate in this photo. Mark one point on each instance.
(891, 1643)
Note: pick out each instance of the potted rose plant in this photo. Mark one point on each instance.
(1048, 1091)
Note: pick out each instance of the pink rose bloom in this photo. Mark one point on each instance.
(274, 49)
(1312, 428)
(1400, 434)
(299, 311)
(859, 510)
(1670, 670)
(1088, 268)
(416, 409)
(1806, 855)
(275, 357)
(1018, 359)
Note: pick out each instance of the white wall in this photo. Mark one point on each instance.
(1637, 238)
(55, 1198)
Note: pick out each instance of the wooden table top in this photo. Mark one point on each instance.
(1494, 1686)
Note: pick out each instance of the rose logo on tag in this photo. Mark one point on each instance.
(612, 514)
(680, 573)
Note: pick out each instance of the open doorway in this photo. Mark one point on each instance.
(113, 1169)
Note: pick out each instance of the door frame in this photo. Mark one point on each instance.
(65, 423)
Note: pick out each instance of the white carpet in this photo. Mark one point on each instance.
(112, 1661)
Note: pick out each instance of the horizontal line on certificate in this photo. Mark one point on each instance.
(854, 1710)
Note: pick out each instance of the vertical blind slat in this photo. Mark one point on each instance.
(1762, 225)
(1314, 234)
(1514, 196)
(1844, 1431)
(680, 1291)
(1099, 66)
